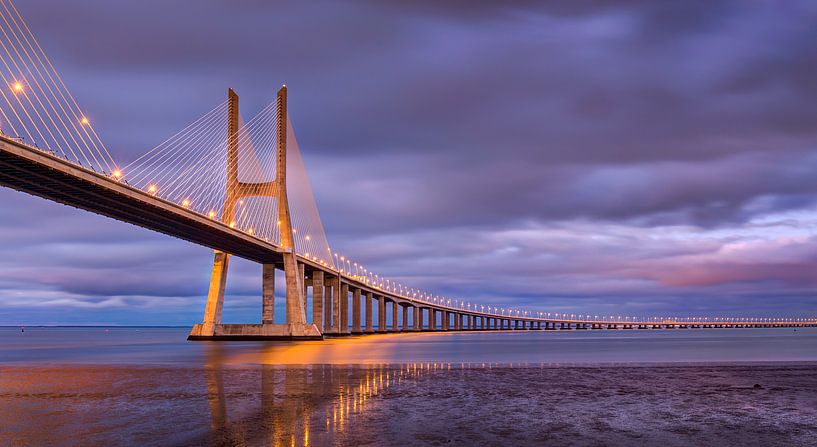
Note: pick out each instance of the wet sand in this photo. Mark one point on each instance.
(409, 404)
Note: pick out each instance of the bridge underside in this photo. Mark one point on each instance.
(43, 175)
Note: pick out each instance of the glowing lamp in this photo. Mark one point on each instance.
(17, 87)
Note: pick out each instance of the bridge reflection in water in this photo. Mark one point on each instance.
(297, 405)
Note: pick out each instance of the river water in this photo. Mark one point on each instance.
(149, 386)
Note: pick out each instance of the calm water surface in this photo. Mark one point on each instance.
(167, 346)
(149, 386)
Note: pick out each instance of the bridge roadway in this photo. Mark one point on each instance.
(43, 174)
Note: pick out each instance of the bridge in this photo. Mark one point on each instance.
(241, 189)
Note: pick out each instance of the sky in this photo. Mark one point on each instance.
(607, 158)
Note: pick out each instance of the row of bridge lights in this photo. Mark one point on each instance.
(349, 268)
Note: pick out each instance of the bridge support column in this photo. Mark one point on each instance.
(368, 299)
(381, 314)
(328, 293)
(336, 305)
(415, 314)
(344, 308)
(215, 296)
(317, 299)
(268, 294)
(432, 319)
(405, 318)
(356, 311)
(395, 308)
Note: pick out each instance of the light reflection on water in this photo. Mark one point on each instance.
(300, 405)
(303, 405)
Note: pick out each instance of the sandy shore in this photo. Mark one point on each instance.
(410, 404)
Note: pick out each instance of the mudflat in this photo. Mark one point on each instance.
(410, 404)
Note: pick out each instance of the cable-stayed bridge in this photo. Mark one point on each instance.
(240, 188)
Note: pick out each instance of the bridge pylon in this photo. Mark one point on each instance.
(296, 325)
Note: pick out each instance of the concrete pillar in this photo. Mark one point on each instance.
(405, 318)
(327, 305)
(446, 320)
(368, 299)
(381, 314)
(415, 311)
(317, 299)
(432, 319)
(302, 276)
(268, 293)
(344, 308)
(356, 311)
(215, 296)
(395, 325)
(336, 305)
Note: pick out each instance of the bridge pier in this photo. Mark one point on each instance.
(317, 299)
(381, 314)
(356, 311)
(328, 306)
(344, 309)
(336, 305)
(368, 298)
(268, 293)
(395, 309)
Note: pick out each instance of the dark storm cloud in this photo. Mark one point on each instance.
(450, 142)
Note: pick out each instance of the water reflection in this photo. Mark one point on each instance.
(295, 405)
